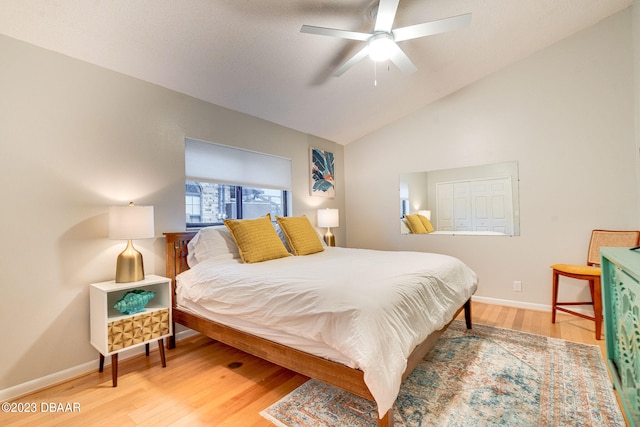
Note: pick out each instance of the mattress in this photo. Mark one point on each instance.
(367, 309)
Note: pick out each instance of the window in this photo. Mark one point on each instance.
(227, 182)
(217, 202)
(193, 194)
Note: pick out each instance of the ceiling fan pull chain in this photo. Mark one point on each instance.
(375, 73)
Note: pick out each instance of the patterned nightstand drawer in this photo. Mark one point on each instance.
(133, 330)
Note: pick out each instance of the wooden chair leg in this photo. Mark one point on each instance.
(161, 350)
(554, 294)
(595, 290)
(146, 349)
(597, 306)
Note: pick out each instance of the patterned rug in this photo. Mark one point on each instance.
(484, 377)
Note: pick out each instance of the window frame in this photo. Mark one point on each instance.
(239, 212)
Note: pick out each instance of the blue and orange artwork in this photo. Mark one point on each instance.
(322, 173)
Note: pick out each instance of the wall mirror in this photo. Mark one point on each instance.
(474, 200)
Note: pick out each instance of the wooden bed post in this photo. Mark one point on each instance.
(176, 256)
(387, 420)
(467, 313)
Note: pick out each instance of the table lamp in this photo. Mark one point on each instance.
(128, 223)
(328, 218)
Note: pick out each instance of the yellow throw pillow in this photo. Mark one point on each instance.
(427, 224)
(415, 225)
(257, 240)
(300, 234)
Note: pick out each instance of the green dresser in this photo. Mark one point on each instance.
(621, 301)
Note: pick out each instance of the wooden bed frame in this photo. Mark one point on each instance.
(333, 373)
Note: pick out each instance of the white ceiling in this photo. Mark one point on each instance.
(250, 56)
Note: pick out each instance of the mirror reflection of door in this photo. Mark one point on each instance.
(481, 205)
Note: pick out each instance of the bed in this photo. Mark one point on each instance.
(300, 311)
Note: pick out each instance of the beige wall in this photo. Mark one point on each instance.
(566, 114)
(74, 140)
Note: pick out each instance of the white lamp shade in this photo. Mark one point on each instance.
(131, 222)
(426, 214)
(328, 218)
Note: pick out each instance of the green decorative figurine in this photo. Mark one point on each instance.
(134, 301)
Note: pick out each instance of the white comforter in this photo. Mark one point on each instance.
(374, 307)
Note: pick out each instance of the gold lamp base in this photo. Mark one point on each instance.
(329, 238)
(129, 267)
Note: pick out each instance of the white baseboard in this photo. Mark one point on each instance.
(511, 303)
(76, 371)
(49, 380)
(527, 305)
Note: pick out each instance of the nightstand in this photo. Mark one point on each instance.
(113, 331)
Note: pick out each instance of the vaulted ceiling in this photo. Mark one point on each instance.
(250, 56)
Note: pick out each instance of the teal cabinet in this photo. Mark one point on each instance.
(621, 301)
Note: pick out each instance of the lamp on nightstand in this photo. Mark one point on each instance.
(128, 223)
(328, 218)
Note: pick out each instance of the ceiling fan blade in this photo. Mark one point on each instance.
(386, 15)
(359, 56)
(401, 60)
(430, 28)
(322, 31)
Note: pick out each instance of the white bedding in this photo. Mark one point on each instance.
(373, 307)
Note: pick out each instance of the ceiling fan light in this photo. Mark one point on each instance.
(381, 47)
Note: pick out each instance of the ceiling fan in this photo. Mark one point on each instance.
(382, 42)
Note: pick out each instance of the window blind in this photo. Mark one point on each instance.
(206, 161)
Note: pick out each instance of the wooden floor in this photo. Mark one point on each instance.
(203, 385)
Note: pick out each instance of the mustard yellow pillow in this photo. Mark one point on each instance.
(300, 235)
(257, 240)
(415, 225)
(427, 224)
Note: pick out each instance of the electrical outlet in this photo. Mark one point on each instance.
(517, 285)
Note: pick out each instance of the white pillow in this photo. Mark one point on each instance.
(212, 243)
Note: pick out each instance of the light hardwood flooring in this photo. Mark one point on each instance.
(203, 386)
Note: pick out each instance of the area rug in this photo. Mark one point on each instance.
(483, 377)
